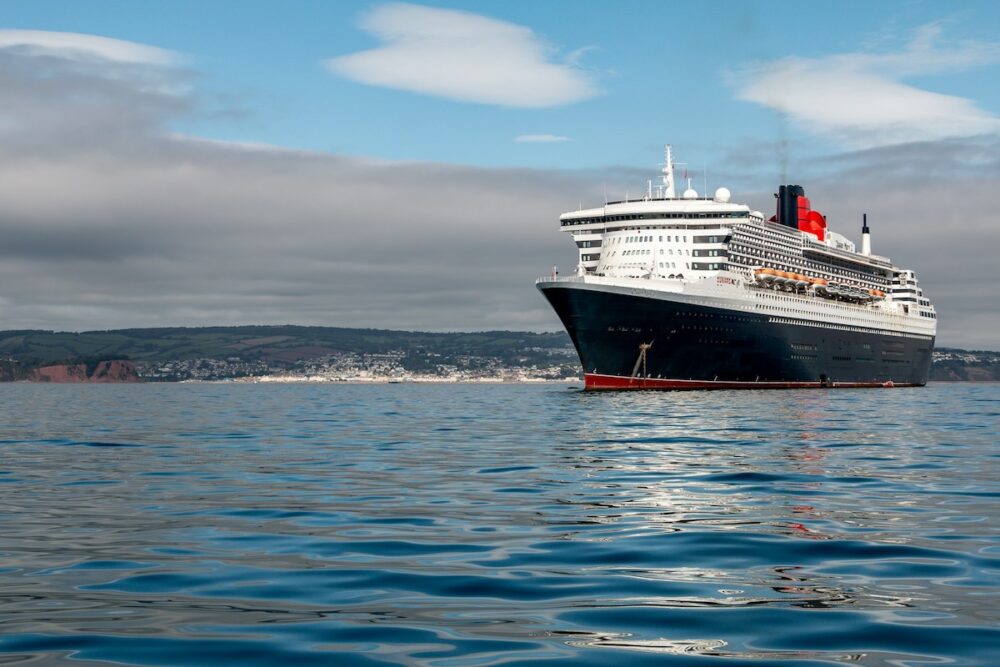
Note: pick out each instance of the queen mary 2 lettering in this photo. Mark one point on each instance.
(693, 292)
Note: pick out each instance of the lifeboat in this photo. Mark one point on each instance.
(765, 275)
(801, 281)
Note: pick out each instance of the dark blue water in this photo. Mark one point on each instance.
(487, 525)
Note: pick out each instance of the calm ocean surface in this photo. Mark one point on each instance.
(464, 525)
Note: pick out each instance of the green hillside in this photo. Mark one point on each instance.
(268, 343)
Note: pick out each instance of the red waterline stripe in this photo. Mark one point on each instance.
(598, 381)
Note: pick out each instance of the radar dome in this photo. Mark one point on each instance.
(722, 195)
(690, 194)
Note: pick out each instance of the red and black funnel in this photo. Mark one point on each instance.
(794, 211)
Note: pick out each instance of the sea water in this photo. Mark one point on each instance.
(458, 525)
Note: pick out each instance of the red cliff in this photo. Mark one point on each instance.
(105, 372)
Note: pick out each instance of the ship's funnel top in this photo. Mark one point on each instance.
(795, 211)
(788, 205)
(866, 237)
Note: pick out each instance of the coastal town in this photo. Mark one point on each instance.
(394, 366)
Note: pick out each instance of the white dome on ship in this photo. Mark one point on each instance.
(722, 195)
(690, 194)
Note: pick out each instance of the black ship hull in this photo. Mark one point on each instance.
(635, 342)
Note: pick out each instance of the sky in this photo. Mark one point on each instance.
(404, 165)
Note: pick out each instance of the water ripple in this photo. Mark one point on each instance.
(468, 525)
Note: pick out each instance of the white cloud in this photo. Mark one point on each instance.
(77, 45)
(861, 100)
(109, 218)
(462, 56)
(541, 139)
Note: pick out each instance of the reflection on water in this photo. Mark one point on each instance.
(465, 525)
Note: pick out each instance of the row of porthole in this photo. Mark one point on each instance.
(827, 325)
(644, 239)
(807, 312)
(784, 298)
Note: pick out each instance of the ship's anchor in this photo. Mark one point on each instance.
(641, 360)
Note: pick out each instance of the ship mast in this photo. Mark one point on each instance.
(668, 174)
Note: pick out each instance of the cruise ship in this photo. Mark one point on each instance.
(696, 292)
